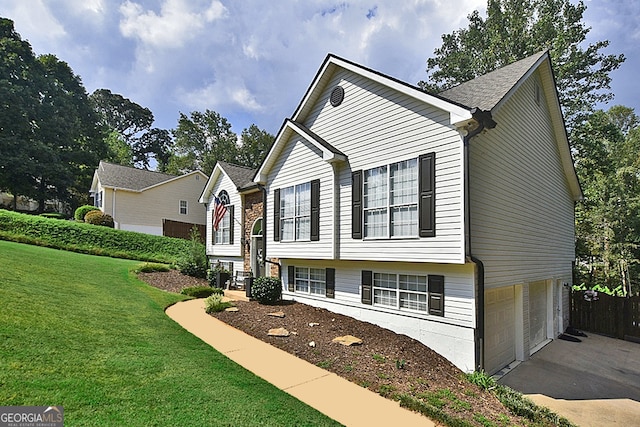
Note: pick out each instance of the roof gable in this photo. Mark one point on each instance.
(330, 154)
(240, 176)
(458, 114)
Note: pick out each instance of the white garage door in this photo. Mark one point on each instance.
(537, 313)
(499, 326)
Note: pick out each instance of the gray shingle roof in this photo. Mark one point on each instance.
(125, 177)
(486, 91)
(241, 176)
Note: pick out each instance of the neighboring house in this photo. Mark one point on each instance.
(449, 217)
(140, 200)
(237, 244)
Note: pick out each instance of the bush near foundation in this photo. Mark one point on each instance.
(266, 290)
(82, 211)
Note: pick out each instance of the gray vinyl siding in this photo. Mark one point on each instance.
(234, 250)
(451, 335)
(522, 212)
(376, 126)
(298, 163)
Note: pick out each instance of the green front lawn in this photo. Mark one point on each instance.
(82, 332)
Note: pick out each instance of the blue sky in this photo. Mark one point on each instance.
(252, 60)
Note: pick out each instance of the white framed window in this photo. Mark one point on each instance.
(310, 280)
(390, 200)
(295, 212)
(183, 207)
(400, 291)
(98, 199)
(223, 235)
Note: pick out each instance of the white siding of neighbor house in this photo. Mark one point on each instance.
(522, 211)
(234, 250)
(451, 336)
(144, 211)
(374, 126)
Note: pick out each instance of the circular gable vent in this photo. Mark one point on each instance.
(337, 95)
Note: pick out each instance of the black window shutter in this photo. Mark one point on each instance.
(291, 278)
(427, 192)
(367, 287)
(315, 210)
(330, 281)
(276, 215)
(436, 295)
(231, 221)
(356, 204)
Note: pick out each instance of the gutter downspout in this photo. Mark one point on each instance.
(485, 121)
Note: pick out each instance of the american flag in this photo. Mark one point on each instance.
(219, 209)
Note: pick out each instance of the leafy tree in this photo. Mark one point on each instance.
(121, 114)
(131, 124)
(119, 151)
(513, 30)
(18, 110)
(256, 143)
(70, 145)
(155, 142)
(608, 220)
(202, 139)
(47, 127)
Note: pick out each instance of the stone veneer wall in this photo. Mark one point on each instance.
(253, 206)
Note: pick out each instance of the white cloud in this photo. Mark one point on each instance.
(172, 27)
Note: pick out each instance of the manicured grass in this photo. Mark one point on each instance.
(82, 332)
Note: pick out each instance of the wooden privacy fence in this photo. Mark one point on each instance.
(181, 230)
(613, 316)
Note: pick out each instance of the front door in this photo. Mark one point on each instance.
(257, 266)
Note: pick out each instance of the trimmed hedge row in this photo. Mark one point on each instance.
(90, 239)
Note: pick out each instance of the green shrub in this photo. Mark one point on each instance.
(82, 211)
(53, 215)
(214, 304)
(201, 291)
(99, 218)
(195, 263)
(266, 290)
(86, 238)
(152, 268)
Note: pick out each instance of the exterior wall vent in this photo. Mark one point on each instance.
(337, 95)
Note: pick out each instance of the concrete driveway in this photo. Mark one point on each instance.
(595, 382)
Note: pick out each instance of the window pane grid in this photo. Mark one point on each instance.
(223, 235)
(400, 291)
(310, 280)
(295, 212)
(390, 200)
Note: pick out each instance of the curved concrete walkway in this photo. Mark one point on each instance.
(325, 391)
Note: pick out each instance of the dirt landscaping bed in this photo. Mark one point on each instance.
(387, 363)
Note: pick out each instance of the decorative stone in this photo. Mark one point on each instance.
(312, 324)
(312, 344)
(278, 332)
(276, 314)
(232, 309)
(294, 333)
(347, 340)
